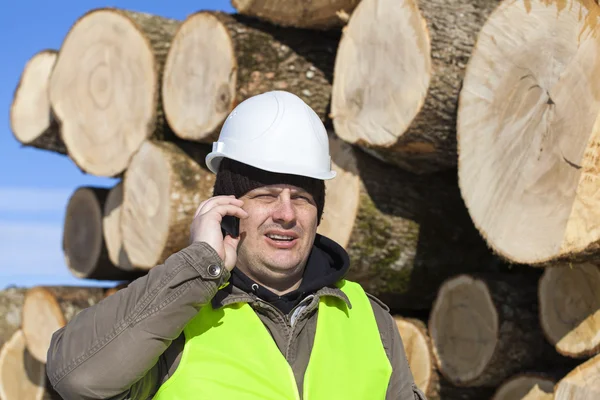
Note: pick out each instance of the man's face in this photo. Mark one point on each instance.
(278, 234)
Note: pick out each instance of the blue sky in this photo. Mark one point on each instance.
(35, 185)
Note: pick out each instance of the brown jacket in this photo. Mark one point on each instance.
(127, 345)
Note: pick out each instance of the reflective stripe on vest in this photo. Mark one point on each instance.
(229, 354)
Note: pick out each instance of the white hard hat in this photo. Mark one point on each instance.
(275, 131)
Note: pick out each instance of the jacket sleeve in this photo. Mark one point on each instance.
(402, 384)
(112, 350)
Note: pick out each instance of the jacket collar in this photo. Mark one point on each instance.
(231, 294)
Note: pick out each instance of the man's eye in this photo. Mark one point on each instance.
(304, 198)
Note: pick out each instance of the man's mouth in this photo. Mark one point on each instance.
(283, 238)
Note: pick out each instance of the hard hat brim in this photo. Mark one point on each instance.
(213, 161)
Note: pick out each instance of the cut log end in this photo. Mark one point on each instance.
(218, 60)
(145, 206)
(31, 118)
(377, 91)
(82, 235)
(41, 317)
(464, 327)
(582, 383)
(418, 352)
(47, 309)
(570, 308)
(21, 375)
(527, 172)
(111, 228)
(341, 206)
(537, 393)
(163, 187)
(104, 90)
(525, 386)
(199, 90)
(319, 14)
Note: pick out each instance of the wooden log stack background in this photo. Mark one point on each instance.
(464, 137)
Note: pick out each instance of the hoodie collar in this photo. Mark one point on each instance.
(327, 264)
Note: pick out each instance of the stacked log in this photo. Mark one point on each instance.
(526, 387)
(528, 177)
(21, 375)
(31, 316)
(47, 309)
(31, 118)
(218, 60)
(570, 309)
(84, 244)
(397, 78)
(582, 383)
(105, 87)
(319, 14)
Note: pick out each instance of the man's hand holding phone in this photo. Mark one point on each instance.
(206, 226)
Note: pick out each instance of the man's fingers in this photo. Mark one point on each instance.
(207, 205)
(228, 209)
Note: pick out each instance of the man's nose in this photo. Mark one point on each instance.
(284, 213)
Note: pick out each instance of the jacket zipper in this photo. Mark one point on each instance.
(287, 321)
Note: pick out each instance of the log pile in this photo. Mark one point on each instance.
(31, 316)
(465, 192)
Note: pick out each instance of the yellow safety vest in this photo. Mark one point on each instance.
(229, 354)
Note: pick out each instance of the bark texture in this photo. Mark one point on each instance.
(318, 14)
(11, 302)
(410, 234)
(48, 308)
(121, 105)
(248, 57)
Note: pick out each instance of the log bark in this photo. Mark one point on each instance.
(84, 246)
(582, 383)
(21, 375)
(11, 303)
(528, 177)
(485, 328)
(218, 60)
(570, 309)
(319, 14)
(526, 386)
(105, 87)
(409, 233)
(47, 309)
(31, 118)
(397, 77)
(162, 188)
(111, 228)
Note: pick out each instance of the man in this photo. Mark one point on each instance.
(263, 314)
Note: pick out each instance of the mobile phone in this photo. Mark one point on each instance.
(230, 225)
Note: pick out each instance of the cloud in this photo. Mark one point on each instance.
(33, 200)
